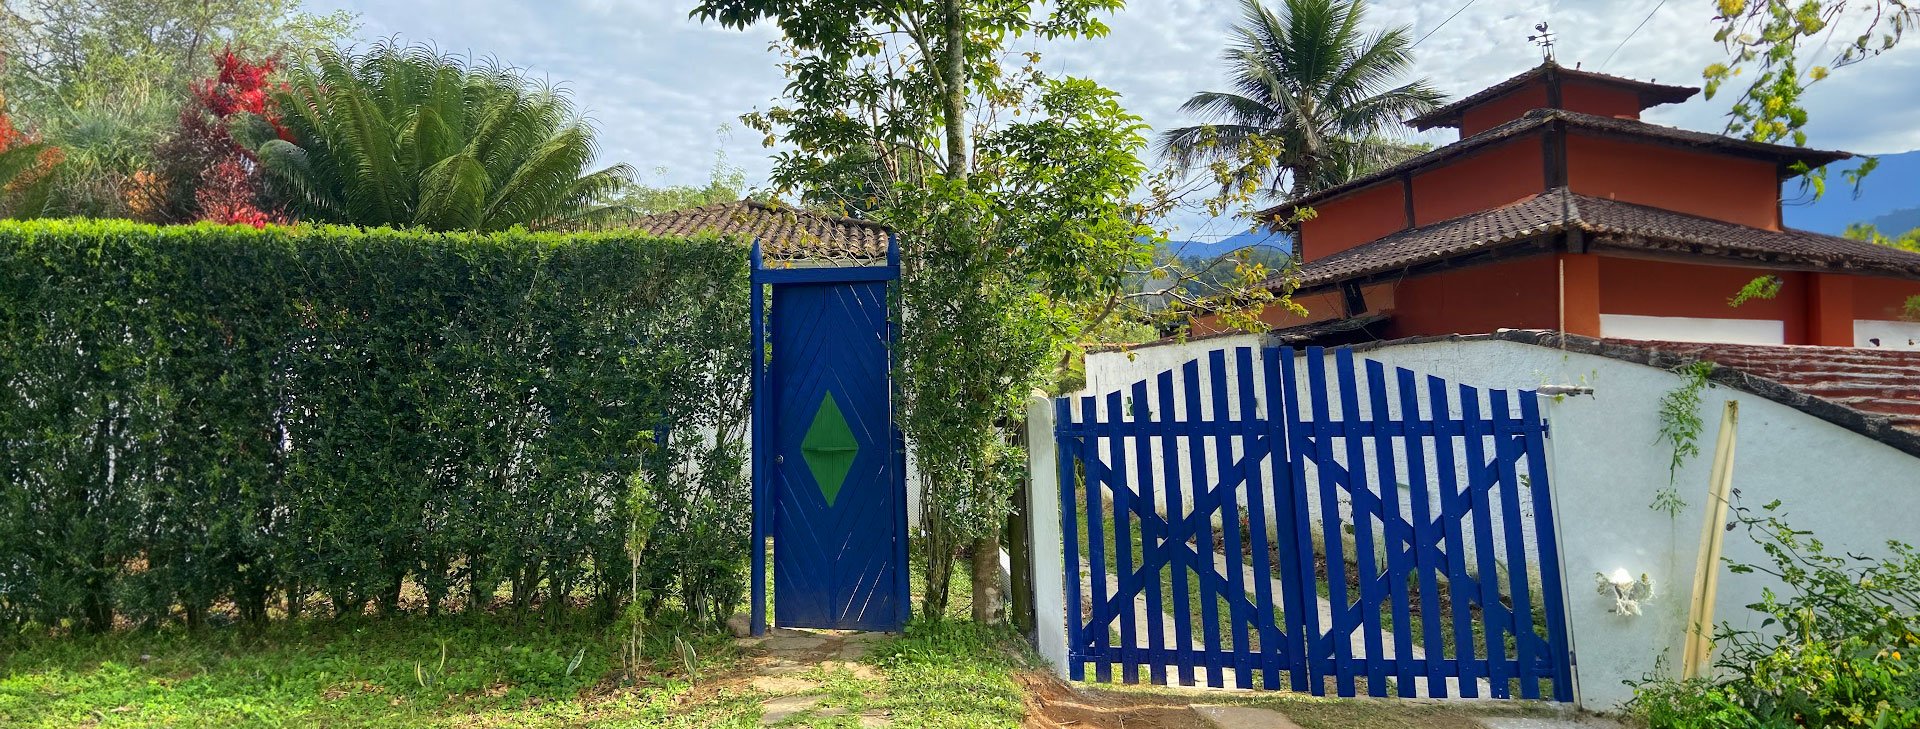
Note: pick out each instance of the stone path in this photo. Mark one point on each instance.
(782, 659)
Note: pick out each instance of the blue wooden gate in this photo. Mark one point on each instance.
(829, 477)
(1266, 522)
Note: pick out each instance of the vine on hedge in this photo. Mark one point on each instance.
(310, 418)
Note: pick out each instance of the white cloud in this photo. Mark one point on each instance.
(659, 84)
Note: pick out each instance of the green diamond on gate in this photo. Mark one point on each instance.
(829, 448)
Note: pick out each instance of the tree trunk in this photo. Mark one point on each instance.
(989, 606)
(953, 76)
(936, 548)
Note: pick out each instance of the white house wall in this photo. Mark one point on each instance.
(1902, 335)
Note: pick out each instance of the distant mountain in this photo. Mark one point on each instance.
(1229, 244)
(1898, 221)
(1889, 198)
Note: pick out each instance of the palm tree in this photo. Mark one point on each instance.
(1312, 90)
(411, 137)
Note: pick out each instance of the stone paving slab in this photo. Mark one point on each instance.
(774, 711)
(1531, 722)
(1242, 717)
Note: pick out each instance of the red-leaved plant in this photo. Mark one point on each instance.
(204, 174)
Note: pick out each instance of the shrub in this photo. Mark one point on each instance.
(410, 136)
(200, 415)
(1838, 648)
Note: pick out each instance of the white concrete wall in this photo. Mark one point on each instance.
(1109, 371)
(1693, 329)
(1852, 492)
(1902, 335)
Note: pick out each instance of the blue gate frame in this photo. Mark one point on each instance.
(828, 462)
(1435, 529)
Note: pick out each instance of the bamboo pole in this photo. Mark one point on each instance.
(1706, 571)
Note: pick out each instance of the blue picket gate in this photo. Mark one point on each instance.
(1203, 508)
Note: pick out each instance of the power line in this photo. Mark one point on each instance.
(1636, 30)
(1443, 24)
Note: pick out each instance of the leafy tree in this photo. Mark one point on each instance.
(1009, 190)
(1767, 37)
(105, 79)
(408, 136)
(726, 183)
(1311, 84)
(1908, 241)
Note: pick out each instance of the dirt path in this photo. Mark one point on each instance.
(782, 659)
(1052, 704)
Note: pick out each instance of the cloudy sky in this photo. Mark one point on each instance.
(661, 87)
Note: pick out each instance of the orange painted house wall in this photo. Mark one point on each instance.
(1321, 306)
(1502, 109)
(1489, 178)
(1518, 294)
(1591, 98)
(1353, 219)
(1736, 190)
(1575, 95)
(1665, 288)
(1883, 299)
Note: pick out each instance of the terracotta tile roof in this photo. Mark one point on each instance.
(1782, 155)
(1533, 217)
(1872, 392)
(1636, 129)
(784, 232)
(1880, 382)
(1616, 224)
(1608, 224)
(1651, 94)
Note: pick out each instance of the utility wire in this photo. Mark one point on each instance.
(1636, 30)
(1443, 24)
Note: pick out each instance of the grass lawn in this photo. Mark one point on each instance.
(490, 670)
(484, 670)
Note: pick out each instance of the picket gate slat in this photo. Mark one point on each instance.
(1176, 514)
(1453, 507)
(1069, 453)
(1149, 536)
(1368, 572)
(1202, 537)
(1398, 569)
(1230, 476)
(1425, 555)
(1269, 658)
(1519, 594)
(1548, 551)
(1122, 488)
(1096, 549)
(1488, 578)
(1303, 613)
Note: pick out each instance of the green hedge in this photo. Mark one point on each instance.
(202, 421)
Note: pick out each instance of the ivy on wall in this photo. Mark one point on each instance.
(311, 417)
(1680, 427)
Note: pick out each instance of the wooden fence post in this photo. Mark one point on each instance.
(1048, 565)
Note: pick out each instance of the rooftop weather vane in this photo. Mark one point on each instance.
(1543, 38)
